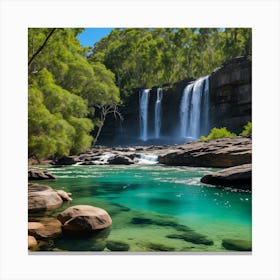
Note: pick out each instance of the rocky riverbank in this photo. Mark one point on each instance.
(219, 153)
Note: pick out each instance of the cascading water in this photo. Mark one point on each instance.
(158, 113)
(185, 109)
(205, 111)
(194, 109)
(143, 113)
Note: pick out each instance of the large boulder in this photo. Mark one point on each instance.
(41, 198)
(238, 176)
(40, 175)
(67, 160)
(64, 195)
(224, 152)
(84, 219)
(120, 159)
(32, 242)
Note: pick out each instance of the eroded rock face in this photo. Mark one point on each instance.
(84, 219)
(231, 94)
(40, 175)
(238, 176)
(224, 152)
(41, 198)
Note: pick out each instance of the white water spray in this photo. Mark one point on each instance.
(158, 113)
(194, 109)
(144, 106)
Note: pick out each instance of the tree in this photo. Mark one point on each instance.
(64, 90)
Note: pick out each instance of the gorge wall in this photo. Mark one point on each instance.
(230, 105)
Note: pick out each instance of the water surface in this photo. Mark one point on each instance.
(169, 197)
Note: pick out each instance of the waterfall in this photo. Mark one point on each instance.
(143, 113)
(158, 113)
(194, 109)
(147, 159)
(185, 109)
(205, 111)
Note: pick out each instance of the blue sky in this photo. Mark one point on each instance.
(92, 35)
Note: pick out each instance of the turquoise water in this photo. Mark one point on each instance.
(158, 193)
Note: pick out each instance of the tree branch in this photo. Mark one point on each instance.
(40, 49)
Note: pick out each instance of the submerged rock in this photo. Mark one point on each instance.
(159, 222)
(117, 245)
(98, 246)
(224, 152)
(238, 176)
(237, 244)
(84, 219)
(192, 237)
(41, 198)
(40, 175)
(159, 247)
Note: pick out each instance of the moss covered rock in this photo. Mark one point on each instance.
(192, 237)
(237, 244)
(117, 245)
(159, 247)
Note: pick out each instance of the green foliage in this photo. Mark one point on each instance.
(217, 133)
(247, 129)
(64, 89)
(144, 57)
(49, 134)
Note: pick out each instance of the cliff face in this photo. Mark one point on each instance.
(231, 94)
(230, 106)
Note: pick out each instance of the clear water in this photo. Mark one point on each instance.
(155, 192)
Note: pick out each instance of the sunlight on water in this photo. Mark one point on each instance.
(158, 193)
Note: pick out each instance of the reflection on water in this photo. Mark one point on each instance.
(186, 215)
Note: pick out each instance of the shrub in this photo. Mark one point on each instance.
(247, 129)
(217, 133)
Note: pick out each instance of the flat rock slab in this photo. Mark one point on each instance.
(224, 152)
(40, 175)
(84, 219)
(238, 176)
(42, 198)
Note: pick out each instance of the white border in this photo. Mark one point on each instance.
(262, 16)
